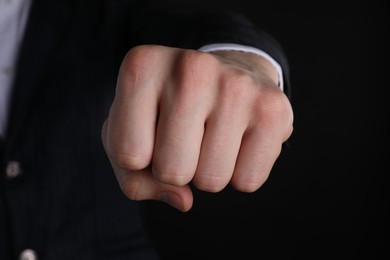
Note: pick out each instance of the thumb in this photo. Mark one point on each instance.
(142, 185)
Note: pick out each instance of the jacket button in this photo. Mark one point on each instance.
(13, 169)
(28, 254)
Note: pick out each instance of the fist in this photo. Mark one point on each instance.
(182, 116)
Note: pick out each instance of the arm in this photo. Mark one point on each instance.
(188, 26)
(182, 115)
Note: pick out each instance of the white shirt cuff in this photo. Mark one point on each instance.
(244, 48)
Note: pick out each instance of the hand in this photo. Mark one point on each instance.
(183, 115)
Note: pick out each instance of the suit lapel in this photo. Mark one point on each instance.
(43, 30)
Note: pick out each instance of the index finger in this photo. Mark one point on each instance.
(141, 184)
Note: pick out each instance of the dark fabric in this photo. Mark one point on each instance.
(66, 204)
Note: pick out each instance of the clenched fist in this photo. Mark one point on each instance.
(183, 116)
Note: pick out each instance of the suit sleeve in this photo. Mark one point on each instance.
(186, 25)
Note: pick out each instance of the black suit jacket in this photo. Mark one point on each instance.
(66, 203)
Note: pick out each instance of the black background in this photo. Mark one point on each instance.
(326, 196)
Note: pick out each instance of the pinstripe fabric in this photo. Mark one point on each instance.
(67, 204)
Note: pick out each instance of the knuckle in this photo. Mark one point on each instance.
(289, 132)
(249, 185)
(170, 174)
(271, 107)
(136, 66)
(210, 183)
(127, 161)
(193, 71)
(196, 59)
(251, 179)
(142, 53)
(131, 188)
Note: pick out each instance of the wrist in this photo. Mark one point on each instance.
(261, 67)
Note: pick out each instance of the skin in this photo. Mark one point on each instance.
(182, 116)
